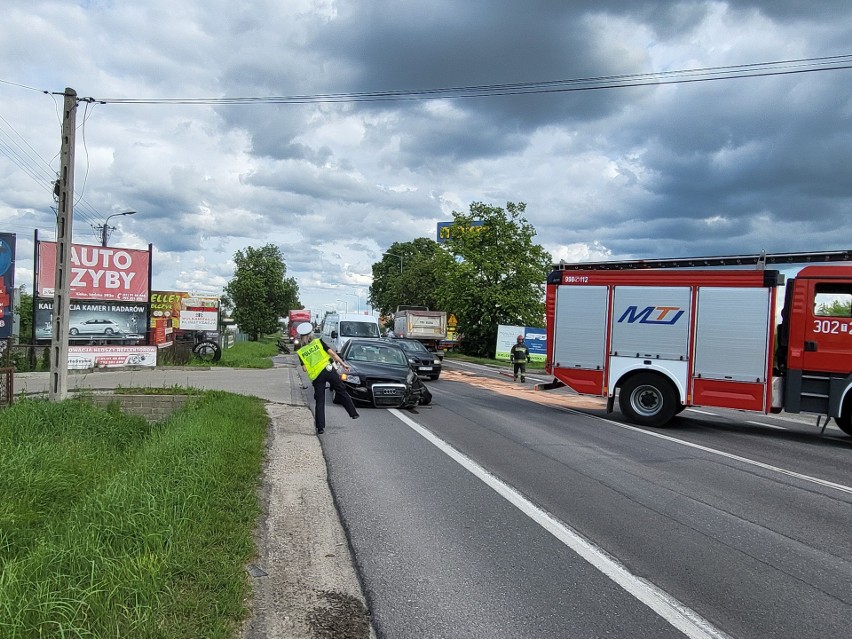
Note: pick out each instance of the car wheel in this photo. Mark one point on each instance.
(73, 331)
(648, 399)
(107, 331)
(208, 351)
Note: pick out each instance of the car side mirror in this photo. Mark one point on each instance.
(333, 334)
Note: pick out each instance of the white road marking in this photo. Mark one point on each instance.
(681, 617)
(701, 412)
(715, 451)
(765, 425)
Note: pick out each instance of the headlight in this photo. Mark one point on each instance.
(436, 361)
(411, 360)
(352, 379)
(411, 377)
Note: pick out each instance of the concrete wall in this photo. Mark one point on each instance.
(153, 408)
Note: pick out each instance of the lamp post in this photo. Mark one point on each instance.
(106, 227)
(399, 257)
(345, 305)
(357, 297)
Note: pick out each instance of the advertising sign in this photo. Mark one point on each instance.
(534, 338)
(199, 314)
(165, 315)
(7, 283)
(84, 357)
(446, 230)
(97, 272)
(102, 321)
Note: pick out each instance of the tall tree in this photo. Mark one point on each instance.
(500, 275)
(410, 273)
(260, 291)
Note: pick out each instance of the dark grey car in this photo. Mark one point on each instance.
(424, 362)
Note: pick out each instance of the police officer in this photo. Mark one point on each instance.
(519, 355)
(316, 357)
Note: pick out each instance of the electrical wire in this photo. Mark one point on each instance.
(760, 69)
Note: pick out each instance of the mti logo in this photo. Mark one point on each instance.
(652, 315)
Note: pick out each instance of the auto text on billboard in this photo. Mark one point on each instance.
(97, 272)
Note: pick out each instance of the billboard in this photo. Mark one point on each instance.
(117, 322)
(97, 272)
(446, 230)
(534, 338)
(83, 357)
(199, 314)
(165, 315)
(7, 283)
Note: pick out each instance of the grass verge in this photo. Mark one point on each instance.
(110, 527)
(245, 355)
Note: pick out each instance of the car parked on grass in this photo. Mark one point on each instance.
(381, 375)
(94, 327)
(425, 362)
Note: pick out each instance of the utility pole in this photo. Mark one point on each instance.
(62, 285)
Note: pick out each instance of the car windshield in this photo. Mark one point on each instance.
(377, 354)
(359, 329)
(413, 346)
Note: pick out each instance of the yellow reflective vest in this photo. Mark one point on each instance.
(314, 358)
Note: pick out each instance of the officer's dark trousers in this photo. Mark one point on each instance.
(336, 384)
(520, 367)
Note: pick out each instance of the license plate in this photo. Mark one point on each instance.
(424, 368)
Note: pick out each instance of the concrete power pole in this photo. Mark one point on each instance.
(62, 286)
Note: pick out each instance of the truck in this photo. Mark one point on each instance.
(663, 335)
(295, 318)
(418, 322)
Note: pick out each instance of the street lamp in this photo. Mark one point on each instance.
(398, 257)
(106, 227)
(345, 305)
(357, 297)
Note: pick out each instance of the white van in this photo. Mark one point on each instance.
(339, 328)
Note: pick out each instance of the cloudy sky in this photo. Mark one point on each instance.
(736, 165)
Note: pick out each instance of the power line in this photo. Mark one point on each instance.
(707, 74)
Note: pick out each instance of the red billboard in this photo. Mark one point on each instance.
(97, 272)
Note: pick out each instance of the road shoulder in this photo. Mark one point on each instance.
(304, 579)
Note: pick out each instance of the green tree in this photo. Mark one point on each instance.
(260, 291)
(24, 309)
(411, 273)
(499, 277)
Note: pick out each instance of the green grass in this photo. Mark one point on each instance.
(245, 355)
(110, 527)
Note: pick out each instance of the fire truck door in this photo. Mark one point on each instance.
(828, 331)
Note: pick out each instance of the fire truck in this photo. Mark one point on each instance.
(663, 335)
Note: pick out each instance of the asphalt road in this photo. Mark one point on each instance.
(499, 512)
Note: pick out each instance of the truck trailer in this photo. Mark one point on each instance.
(417, 322)
(664, 335)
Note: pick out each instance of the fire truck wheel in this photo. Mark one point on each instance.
(844, 422)
(648, 399)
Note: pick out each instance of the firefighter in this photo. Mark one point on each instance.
(519, 355)
(316, 357)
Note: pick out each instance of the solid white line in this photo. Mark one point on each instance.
(766, 425)
(686, 620)
(751, 462)
(700, 412)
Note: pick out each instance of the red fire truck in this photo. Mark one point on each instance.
(295, 318)
(666, 334)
